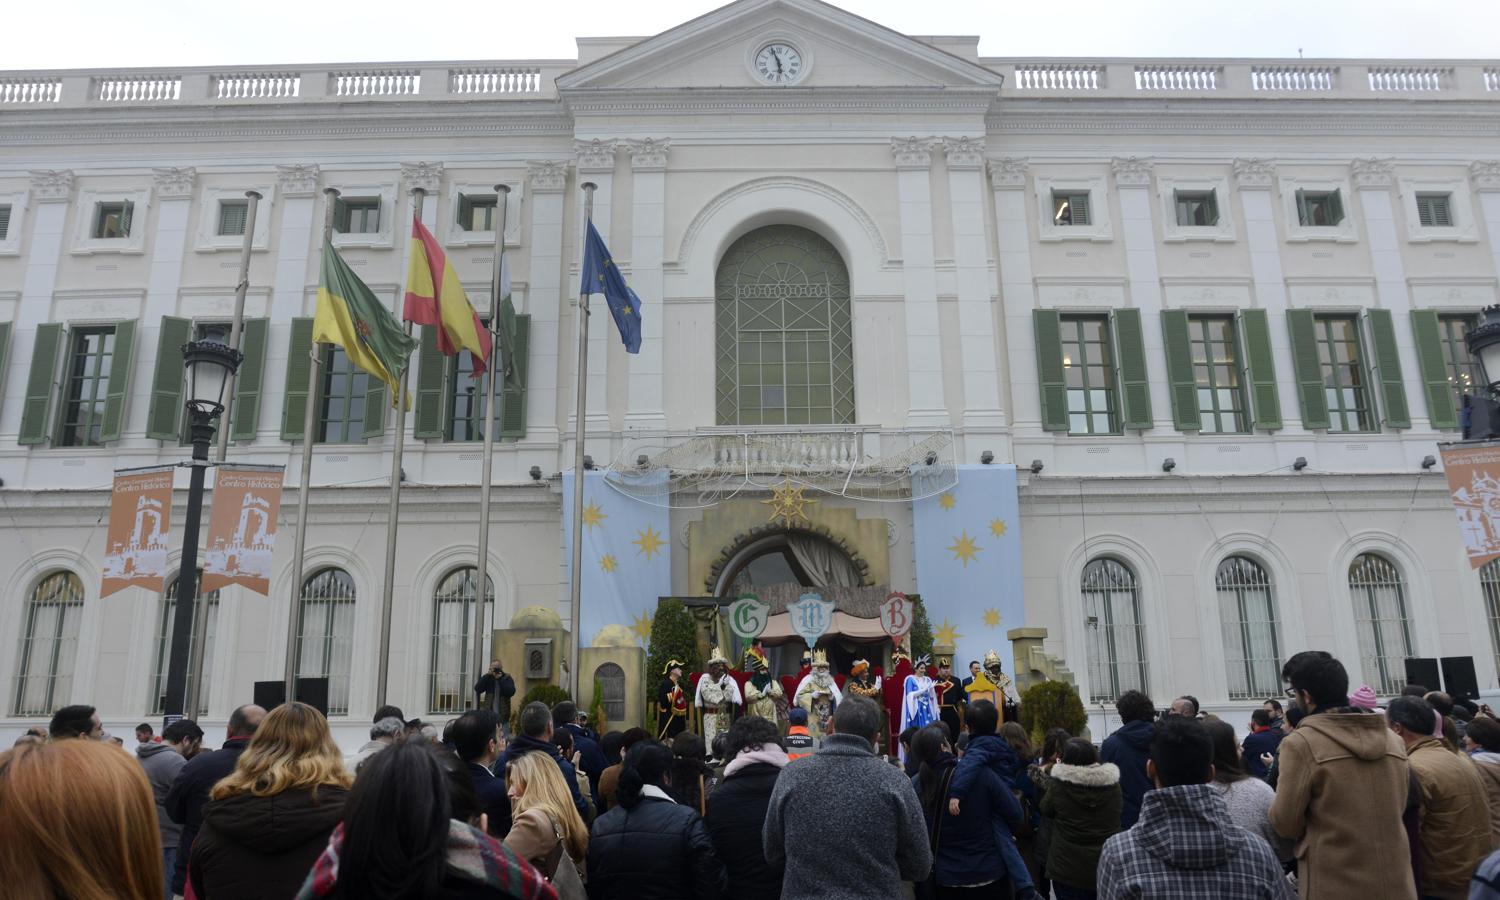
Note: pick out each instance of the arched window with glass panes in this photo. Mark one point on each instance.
(1489, 582)
(1112, 624)
(325, 633)
(452, 675)
(49, 645)
(1247, 615)
(164, 623)
(1378, 591)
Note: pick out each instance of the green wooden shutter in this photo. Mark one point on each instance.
(249, 383)
(1211, 204)
(1052, 377)
(298, 370)
(1260, 366)
(1388, 362)
(1135, 387)
(1184, 384)
(513, 400)
(5, 330)
(1427, 332)
(1336, 208)
(1081, 210)
(119, 382)
(166, 381)
(432, 374)
(1303, 328)
(44, 354)
(375, 404)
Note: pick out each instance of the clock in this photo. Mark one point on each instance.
(778, 63)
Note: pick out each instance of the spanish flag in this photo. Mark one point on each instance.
(434, 297)
(351, 317)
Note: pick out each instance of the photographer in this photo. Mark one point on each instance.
(494, 689)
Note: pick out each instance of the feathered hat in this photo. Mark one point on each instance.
(923, 660)
(860, 667)
(673, 663)
(756, 660)
(717, 656)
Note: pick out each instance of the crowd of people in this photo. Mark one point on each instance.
(1331, 796)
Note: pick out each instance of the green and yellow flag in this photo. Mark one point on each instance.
(350, 316)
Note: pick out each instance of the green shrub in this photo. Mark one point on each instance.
(921, 629)
(1052, 704)
(673, 636)
(597, 719)
(549, 694)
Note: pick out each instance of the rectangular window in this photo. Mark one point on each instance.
(1345, 384)
(1435, 210)
(112, 220)
(1196, 209)
(342, 413)
(1462, 373)
(4, 221)
(477, 213)
(1319, 209)
(1217, 372)
(357, 216)
(232, 215)
(85, 387)
(465, 399)
(1088, 365)
(1070, 208)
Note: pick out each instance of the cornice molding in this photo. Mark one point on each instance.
(963, 152)
(1254, 174)
(1008, 173)
(712, 207)
(1229, 117)
(298, 180)
(427, 176)
(913, 152)
(596, 155)
(174, 183)
(52, 184)
(1372, 173)
(1131, 171)
(649, 154)
(547, 176)
(1485, 174)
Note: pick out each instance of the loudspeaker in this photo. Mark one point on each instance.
(270, 694)
(1424, 671)
(313, 692)
(1459, 679)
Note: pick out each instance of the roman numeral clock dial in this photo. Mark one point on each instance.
(778, 63)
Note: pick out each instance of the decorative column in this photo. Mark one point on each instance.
(1484, 174)
(924, 357)
(982, 405)
(1255, 179)
(1373, 180)
(545, 297)
(297, 186)
(1133, 182)
(1017, 289)
(596, 163)
(429, 177)
(648, 163)
(50, 192)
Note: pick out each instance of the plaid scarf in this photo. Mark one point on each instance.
(472, 855)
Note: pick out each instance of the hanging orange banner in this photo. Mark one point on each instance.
(1474, 480)
(242, 530)
(140, 510)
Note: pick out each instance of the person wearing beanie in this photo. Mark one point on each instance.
(1364, 699)
(799, 742)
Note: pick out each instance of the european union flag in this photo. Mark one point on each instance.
(601, 276)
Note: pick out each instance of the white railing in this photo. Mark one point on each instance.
(256, 86)
(375, 83)
(1492, 78)
(495, 80)
(1410, 78)
(1292, 79)
(30, 90)
(1058, 77)
(1177, 78)
(137, 88)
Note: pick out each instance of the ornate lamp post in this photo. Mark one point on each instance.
(210, 367)
(1481, 413)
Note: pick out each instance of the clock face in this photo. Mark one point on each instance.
(778, 63)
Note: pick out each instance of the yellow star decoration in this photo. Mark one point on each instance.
(997, 527)
(947, 500)
(947, 635)
(992, 618)
(787, 503)
(649, 541)
(642, 627)
(965, 548)
(594, 515)
(607, 562)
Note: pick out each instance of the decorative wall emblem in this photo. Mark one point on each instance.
(595, 155)
(913, 152)
(547, 175)
(788, 504)
(174, 182)
(811, 616)
(964, 152)
(1485, 174)
(298, 180)
(649, 153)
(1008, 172)
(52, 184)
(896, 615)
(1372, 173)
(424, 175)
(1131, 172)
(1254, 173)
(748, 616)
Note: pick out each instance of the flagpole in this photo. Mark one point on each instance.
(309, 425)
(576, 581)
(393, 521)
(502, 191)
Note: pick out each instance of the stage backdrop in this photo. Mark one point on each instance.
(968, 554)
(627, 557)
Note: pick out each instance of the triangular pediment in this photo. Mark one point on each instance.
(838, 50)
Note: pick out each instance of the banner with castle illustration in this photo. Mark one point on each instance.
(242, 530)
(140, 510)
(1474, 480)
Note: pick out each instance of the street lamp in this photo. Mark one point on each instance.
(210, 366)
(1481, 414)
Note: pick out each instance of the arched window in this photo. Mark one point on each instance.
(1247, 615)
(784, 339)
(325, 634)
(1112, 621)
(452, 676)
(611, 680)
(1489, 581)
(49, 646)
(164, 647)
(1379, 594)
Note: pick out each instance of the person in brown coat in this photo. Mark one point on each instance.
(1341, 791)
(1482, 741)
(1455, 817)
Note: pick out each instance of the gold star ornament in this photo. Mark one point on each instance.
(947, 500)
(965, 548)
(947, 635)
(997, 527)
(992, 618)
(788, 504)
(649, 541)
(594, 515)
(642, 627)
(607, 562)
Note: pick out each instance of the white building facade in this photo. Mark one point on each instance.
(1220, 303)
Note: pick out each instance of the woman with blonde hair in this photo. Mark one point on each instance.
(268, 820)
(546, 829)
(77, 820)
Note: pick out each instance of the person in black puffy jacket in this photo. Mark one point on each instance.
(736, 816)
(650, 847)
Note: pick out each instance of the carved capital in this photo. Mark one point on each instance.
(1008, 173)
(964, 152)
(913, 152)
(547, 176)
(595, 155)
(1131, 171)
(298, 180)
(174, 183)
(649, 154)
(1254, 174)
(425, 176)
(52, 184)
(1485, 174)
(1372, 173)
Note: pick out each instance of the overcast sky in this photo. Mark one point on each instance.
(108, 33)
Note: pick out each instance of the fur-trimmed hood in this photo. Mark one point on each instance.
(1098, 775)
